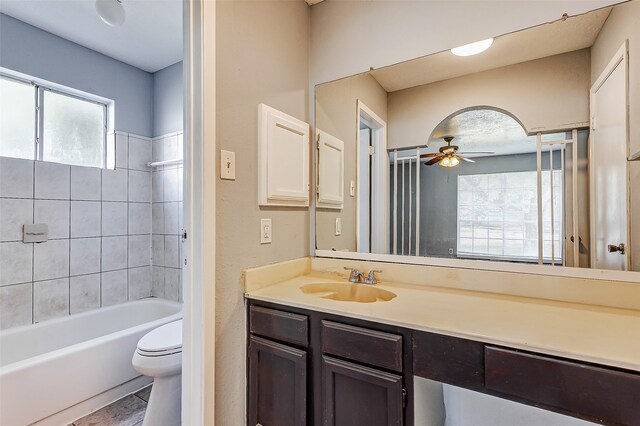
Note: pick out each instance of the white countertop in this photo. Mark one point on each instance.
(601, 335)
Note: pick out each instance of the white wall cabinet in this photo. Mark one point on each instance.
(330, 171)
(283, 159)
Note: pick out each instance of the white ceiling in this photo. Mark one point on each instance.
(149, 39)
(575, 33)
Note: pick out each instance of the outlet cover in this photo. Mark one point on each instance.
(265, 231)
(338, 226)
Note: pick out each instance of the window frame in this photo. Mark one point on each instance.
(39, 90)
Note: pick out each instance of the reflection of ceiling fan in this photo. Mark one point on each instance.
(449, 155)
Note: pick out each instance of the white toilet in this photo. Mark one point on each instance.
(159, 355)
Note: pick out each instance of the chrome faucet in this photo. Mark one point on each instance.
(358, 277)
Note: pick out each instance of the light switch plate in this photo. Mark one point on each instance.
(265, 231)
(338, 226)
(352, 188)
(227, 165)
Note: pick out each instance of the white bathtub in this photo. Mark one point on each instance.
(81, 361)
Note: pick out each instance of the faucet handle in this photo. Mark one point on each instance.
(355, 275)
(371, 279)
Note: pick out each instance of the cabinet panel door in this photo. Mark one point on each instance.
(353, 395)
(277, 384)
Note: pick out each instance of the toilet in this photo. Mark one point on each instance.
(159, 355)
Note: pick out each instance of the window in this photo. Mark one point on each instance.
(498, 216)
(38, 122)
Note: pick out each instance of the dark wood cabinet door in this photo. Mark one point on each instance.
(354, 395)
(277, 384)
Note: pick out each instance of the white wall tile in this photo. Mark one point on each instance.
(85, 219)
(15, 263)
(16, 178)
(139, 283)
(180, 146)
(171, 254)
(170, 185)
(51, 260)
(139, 250)
(111, 151)
(171, 219)
(114, 287)
(156, 150)
(85, 256)
(114, 253)
(180, 182)
(14, 213)
(114, 219)
(122, 151)
(139, 218)
(84, 293)
(86, 183)
(50, 299)
(139, 186)
(157, 257)
(52, 181)
(157, 218)
(157, 281)
(157, 186)
(139, 153)
(180, 217)
(170, 147)
(55, 213)
(114, 185)
(171, 283)
(15, 305)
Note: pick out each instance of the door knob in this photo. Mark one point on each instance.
(614, 248)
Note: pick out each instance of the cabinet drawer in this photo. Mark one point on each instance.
(363, 345)
(279, 325)
(594, 393)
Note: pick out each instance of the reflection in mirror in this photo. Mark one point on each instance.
(522, 153)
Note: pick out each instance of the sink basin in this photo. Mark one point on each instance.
(346, 292)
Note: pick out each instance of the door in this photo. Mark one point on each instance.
(277, 384)
(364, 188)
(353, 395)
(608, 160)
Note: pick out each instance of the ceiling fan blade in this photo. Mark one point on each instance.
(468, 160)
(433, 161)
(433, 154)
(475, 152)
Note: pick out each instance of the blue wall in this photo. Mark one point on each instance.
(30, 50)
(167, 100)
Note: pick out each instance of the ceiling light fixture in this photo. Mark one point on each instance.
(111, 12)
(472, 48)
(449, 161)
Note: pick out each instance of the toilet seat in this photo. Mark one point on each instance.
(163, 341)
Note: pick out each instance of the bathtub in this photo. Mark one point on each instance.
(58, 370)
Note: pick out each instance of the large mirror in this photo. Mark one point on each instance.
(525, 152)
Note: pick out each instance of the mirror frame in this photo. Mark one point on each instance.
(470, 264)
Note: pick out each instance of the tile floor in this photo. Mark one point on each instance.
(128, 411)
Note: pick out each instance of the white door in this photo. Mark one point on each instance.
(609, 176)
(364, 198)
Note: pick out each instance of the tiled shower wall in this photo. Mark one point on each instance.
(99, 247)
(167, 218)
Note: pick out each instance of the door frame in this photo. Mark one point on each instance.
(620, 57)
(380, 182)
(198, 268)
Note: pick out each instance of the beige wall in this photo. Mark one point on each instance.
(262, 56)
(545, 94)
(622, 24)
(336, 114)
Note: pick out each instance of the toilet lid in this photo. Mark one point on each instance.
(164, 338)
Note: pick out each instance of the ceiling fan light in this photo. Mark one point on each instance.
(472, 48)
(446, 162)
(111, 12)
(454, 161)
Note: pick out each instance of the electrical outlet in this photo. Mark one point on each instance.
(450, 251)
(227, 165)
(265, 231)
(338, 226)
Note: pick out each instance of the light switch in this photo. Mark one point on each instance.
(352, 188)
(265, 231)
(227, 165)
(338, 226)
